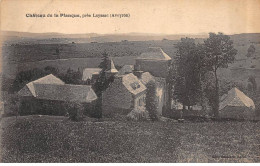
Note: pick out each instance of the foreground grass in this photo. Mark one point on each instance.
(55, 139)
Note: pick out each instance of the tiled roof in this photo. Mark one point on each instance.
(49, 79)
(79, 93)
(236, 98)
(132, 84)
(146, 77)
(154, 53)
(52, 88)
(111, 67)
(126, 69)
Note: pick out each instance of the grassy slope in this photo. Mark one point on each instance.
(55, 139)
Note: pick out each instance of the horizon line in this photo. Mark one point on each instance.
(159, 34)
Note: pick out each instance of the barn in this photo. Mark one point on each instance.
(51, 96)
(236, 105)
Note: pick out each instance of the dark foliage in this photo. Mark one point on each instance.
(151, 102)
(250, 51)
(24, 77)
(102, 82)
(72, 77)
(188, 72)
(220, 52)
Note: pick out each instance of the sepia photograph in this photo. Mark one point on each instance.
(120, 81)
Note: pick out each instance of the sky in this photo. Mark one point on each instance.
(146, 16)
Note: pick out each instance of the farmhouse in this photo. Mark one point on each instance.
(51, 96)
(124, 94)
(236, 105)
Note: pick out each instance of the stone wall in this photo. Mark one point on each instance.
(117, 96)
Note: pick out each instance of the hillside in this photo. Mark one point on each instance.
(55, 139)
(76, 51)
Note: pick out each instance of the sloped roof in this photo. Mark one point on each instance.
(154, 53)
(111, 67)
(52, 88)
(146, 77)
(66, 92)
(88, 72)
(236, 98)
(132, 84)
(29, 90)
(126, 69)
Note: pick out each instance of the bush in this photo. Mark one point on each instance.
(75, 111)
(138, 114)
(151, 102)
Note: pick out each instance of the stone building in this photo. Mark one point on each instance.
(157, 63)
(124, 94)
(51, 96)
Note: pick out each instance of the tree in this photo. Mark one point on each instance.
(75, 110)
(102, 82)
(151, 102)
(187, 79)
(250, 50)
(72, 77)
(219, 53)
(24, 77)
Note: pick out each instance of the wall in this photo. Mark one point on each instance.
(155, 67)
(139, 100)
(116, 96)
(237, 113)
(30, 106)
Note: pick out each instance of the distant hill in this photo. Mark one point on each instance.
(49, 38)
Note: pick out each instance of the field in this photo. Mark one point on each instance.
(55, 139)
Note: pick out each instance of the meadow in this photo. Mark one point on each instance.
(56, 139)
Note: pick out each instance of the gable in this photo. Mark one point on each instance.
(25, 91)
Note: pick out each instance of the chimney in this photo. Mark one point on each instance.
(137, 72)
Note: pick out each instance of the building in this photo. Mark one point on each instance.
(51, 96)
(124, 94)
(236, 105)
(89, 72)
(90, 75)
(157, 63)
(154, 61)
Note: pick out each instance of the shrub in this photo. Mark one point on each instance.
(138, 114)
(75, 111)
(151, 102)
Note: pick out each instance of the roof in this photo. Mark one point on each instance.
(126, 69)
(49, 79)
(146, 77)
(154, 53)
(66, 92)
(236, 98)
(88, 72)
(111, 67)
(132, 84)
(49, 89)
